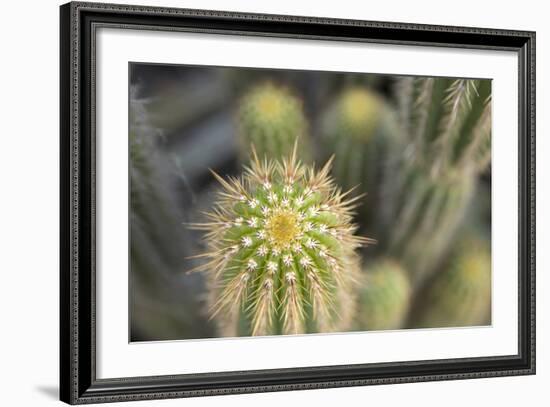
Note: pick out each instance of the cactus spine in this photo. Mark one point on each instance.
(385, 297)
(459, 295)
(281, 250)
(448, 122)
(272, 119)
(358, 128)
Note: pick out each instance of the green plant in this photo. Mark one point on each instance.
(281, 250)
(448, 125)
(358, 128)
(385, 296)
(448, 120)
(459, 295)
(164, 305)
(272, 119)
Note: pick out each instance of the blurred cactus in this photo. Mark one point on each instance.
(426, 217)
(384, 298)
(358, 128)
(281, 251)
(272, 119)
(164, 303)
(448, 122)
(460, 294)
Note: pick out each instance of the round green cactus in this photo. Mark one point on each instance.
(358, 113)
(385, 297)
(459, 295)
(272, 119)
(357, 129)
(281, 250)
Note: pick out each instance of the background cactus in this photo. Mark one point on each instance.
(385, 296)
(358, 128)
(272, 119)
(164, 303)
(449, 120)
(282, 250)
(448, 129)
(459, 295)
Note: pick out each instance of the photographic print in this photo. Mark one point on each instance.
(359, 193)
(281, 202)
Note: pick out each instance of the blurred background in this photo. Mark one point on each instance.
(418, 147)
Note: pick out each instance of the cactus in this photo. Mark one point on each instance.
(272, 119)
(163, 304)
(385, 297)
(448, 123)
(358, 128)
(460, 295)
(281, 250)
(448, 120)
(430, 211)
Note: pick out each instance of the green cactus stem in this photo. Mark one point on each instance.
(272, 119)
(448, 124)
(385, 297)
(281, 250)
(448, 120)
(459, 295)
(427, 217)
(164, 305)
(358, 128)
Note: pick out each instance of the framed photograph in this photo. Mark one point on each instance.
(254, 203)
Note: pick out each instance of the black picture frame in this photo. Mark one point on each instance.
(78, 382)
